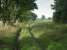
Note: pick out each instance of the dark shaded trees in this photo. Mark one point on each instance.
(60, 14)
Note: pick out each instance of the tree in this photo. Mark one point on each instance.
(12, 10)
(16, 10)
(60, 11)
(43, 17)
(34, 16)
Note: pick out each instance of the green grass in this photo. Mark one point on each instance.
(48, 35)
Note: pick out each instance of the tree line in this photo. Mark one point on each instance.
(60, 8)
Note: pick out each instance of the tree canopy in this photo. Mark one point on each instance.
(12, 10)
(60, 14)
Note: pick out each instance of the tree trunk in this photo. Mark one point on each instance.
(17, 41)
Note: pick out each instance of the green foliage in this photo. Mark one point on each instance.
(12, 10)
(54, 35)
(48, 36)
(55, 46)
(60, 11)
(27, 16)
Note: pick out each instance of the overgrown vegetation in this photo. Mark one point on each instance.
(49, 36)
(20, 29)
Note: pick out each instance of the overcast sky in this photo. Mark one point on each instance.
(44, 8)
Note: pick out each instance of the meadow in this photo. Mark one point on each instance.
(44, 35)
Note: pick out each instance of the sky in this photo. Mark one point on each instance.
(44, 8)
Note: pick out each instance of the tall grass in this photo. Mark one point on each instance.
(50, 36)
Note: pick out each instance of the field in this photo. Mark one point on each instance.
(44, 35)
